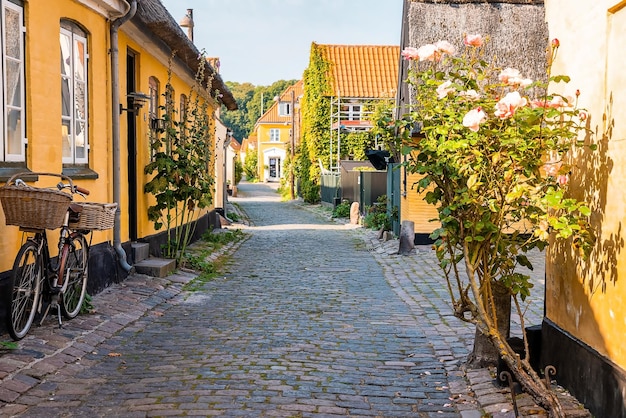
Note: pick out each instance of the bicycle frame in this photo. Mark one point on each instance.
(37, 279)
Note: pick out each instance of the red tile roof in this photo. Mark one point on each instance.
(366, 71)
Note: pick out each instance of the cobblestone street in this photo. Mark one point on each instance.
(310, 318)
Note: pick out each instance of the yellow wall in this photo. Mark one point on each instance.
(43, 105)
(43, 108)
(414, 208)
(150, 62)
(263, 135)
(588, 299)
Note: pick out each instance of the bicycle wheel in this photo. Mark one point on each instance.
(77, 256)
(25, 290)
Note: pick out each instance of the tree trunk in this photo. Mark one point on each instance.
(532, 384)
(485, 353)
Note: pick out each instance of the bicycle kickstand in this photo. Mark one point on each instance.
(54, 303)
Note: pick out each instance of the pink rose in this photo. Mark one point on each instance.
(427, 52)
(474, 118)
(507, 106)
(410, 53)
(582, 115)
(562, 180)
(555, 43)
(509, 73)
(558, 102)
(473, 40)
(470, 94)
(539, 103)
(444, 89)
(445, 47)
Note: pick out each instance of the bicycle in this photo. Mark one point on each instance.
(36, 278)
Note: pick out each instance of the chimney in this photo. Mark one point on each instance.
(187, 22)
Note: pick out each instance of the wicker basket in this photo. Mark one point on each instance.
(34, 208)
(95, 216)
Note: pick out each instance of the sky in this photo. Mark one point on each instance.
(263, 41)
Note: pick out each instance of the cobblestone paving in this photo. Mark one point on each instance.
(311, 318)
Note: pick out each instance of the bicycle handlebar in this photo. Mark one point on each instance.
(73, 188)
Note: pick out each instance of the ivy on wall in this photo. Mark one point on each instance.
(315, 144)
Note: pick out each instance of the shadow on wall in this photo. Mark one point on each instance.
(586, 371)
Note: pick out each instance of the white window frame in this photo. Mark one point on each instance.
(351, 111)
(274, 135)
(74, 118)
(7, 106)
(284, 109)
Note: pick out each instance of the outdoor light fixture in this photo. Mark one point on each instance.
(157, 124)
(136, 101)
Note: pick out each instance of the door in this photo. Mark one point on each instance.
(131, 123)
(274, 168)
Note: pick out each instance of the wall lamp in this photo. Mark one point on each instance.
(136, 100)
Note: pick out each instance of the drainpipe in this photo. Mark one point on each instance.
(115, 127)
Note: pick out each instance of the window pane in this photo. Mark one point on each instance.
(80, 140)
(66, 98)
(79, 100)
(14, 86)
(66, 60)
(79, 61)
(66, 134)
(14, 132)
(13, 33)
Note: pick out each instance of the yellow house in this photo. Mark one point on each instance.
(586, 300)
(83, 81)
(277, 133)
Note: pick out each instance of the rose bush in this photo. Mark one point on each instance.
(495, 156)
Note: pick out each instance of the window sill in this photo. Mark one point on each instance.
(7, 170)
(79, 172)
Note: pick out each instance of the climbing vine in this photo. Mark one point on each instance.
(181, 166)
(315, 145)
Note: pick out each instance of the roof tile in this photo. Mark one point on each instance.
(367, 71)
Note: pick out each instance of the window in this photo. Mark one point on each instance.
(13, 115)
(153, 112)
(274, 135)
(183, 108)
(284, 109)
(153, 92)
(351, 112)
(74, 100)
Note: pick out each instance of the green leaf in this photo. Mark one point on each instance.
(584, 210)
(523, 261)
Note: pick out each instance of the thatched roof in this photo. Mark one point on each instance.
(152, 15)
(479, 1)
(518, 32)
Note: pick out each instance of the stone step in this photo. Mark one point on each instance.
(141, 251)
(155, 267)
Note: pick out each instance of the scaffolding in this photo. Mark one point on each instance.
(347, 114)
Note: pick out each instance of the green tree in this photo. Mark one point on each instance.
(237, 120)
(496, 154)
(250, 165)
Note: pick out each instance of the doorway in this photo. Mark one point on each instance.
(131, 139)
(274, 165)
